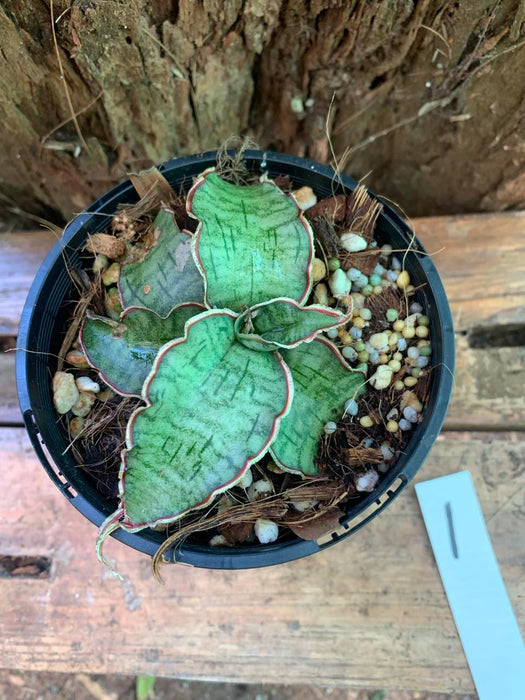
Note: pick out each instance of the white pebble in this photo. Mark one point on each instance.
(266, 531)
(259, 489)
(351, 407)
(410, 414)
(356, 333)
(332, 333)
(353, 242)
(405, 424)
(246, 480)
(379, 341)
(65, 392)
(422, 361)
(219, 541)
(396, 264)
(379, 269)
(413, 353)
(387, 452)
(401, 344)
(382, 377)
(339, 282)
(383, 467)
(391, 275)
(330, 427)
(301, 506)
(305, 197)
(386, 249)
(415, 308)
(367, 481)
(353, 274)
(87, 384)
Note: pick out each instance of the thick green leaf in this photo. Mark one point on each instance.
(283, 323)
(213, 408)
(252, 244)
(123, 351)
(144, 687)
(168, 276)
(322, 383)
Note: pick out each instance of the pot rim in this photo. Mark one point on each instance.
(390, 485)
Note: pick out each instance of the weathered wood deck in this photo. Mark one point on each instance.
(370, 611)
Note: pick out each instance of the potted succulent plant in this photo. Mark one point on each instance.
(228, 327)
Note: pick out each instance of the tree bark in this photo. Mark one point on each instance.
(424, 100)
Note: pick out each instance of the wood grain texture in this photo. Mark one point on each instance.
(369, 612)
(482, 265)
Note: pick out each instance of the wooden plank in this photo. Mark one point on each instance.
(370, 612)
(21, 254)
(482, 263)
(481, 260)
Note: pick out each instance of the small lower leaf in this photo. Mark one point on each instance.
(123, 351)
(168, 276)
(214, 408)
(322, 384)
(284, 323)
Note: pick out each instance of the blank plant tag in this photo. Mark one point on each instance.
(475, 589)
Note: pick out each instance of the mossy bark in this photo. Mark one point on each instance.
(427, 96)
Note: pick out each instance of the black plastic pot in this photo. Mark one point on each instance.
(44, 321)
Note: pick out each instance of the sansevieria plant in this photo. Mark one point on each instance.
(216, 338)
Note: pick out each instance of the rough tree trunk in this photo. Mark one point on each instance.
(428, 96)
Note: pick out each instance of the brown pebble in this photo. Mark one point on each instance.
(106, 245)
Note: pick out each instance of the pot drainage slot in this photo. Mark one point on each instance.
(24, 566)
(511, 335)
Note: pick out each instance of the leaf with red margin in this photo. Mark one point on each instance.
(284, 323)
(252, 243)
(322, 383)
(168, 276)
(123, 351)
(213, 409)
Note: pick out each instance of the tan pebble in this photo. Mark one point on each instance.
(411, 381)
(382, 377)
(305, 197)
(395, 365)
(409, 332)
(77, 359)
(359, 322)
(105, 244)
(383, 358)
(272, 467)
(392, 426)
(65, 392)
(105, 395)
(111, 275)
(112, 304)
(100, 263)
(422, 331)
(410, 399)
(366, 422)
(321, 294)
(76, 426)
(318, 270)
(398, 385)
(398, 325)
(403, 280)
(87, 384)
(392, 339)
(379, 341)
(346, 338)
(83, 406)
